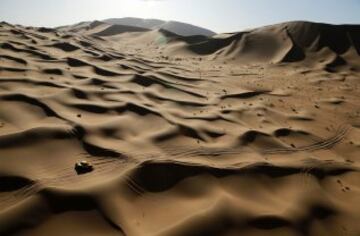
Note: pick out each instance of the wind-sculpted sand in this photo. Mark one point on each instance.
(251, 133)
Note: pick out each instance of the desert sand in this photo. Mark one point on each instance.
(248, 133)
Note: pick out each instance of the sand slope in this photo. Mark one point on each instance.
(252, 133)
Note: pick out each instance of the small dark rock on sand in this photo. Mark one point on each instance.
(83, 167)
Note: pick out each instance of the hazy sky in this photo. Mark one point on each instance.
(217, 15)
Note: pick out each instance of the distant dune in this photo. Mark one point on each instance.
(150, 128)
(137, 22)
(176, 27)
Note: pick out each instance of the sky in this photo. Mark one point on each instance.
(217, 15)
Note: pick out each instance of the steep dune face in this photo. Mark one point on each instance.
(186, 135)
(272, 45)
(316, 36)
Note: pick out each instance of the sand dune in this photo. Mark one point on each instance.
(176, 27)
(288, 42)
(249, 133)
(179, 28)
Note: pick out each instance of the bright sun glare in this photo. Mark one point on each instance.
(150, 3)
